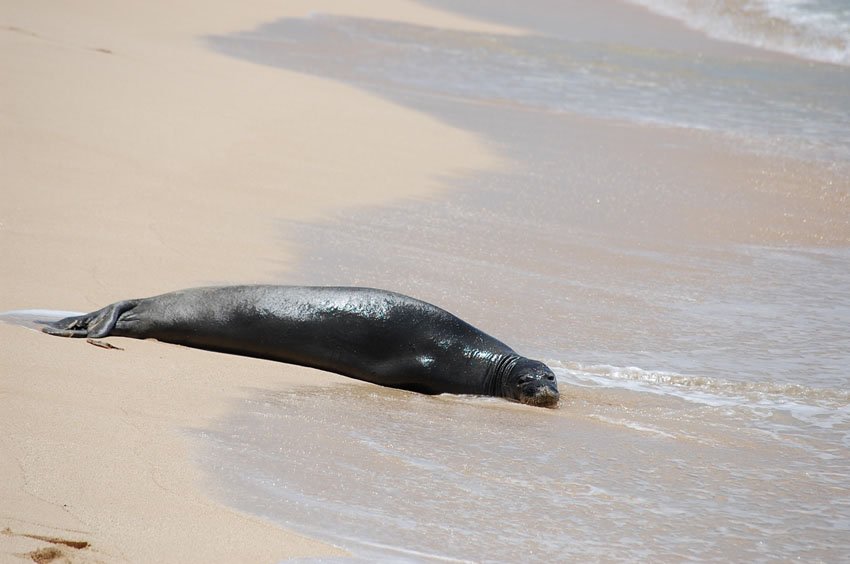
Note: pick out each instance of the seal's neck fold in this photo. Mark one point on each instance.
(497, 375)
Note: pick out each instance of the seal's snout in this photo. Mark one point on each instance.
(543, 397)
(538, 387)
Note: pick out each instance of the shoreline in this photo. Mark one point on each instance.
(138, 161)
(605, 244)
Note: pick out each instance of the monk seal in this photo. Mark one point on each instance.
(364, 333)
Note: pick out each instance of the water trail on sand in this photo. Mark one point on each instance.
(34, 319)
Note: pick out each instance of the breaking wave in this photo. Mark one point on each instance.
(818, 30)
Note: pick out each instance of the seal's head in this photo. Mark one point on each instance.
(532, 382)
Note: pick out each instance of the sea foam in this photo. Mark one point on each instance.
(818, 30)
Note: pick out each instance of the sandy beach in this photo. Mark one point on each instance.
(652, 212)
(136, 161)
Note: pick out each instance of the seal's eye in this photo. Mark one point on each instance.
(526, 378)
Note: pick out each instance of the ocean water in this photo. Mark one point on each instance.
(794, 106)
(651, 471)
(818, 30)
(671, 233)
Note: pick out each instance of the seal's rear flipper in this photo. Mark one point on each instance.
(93, 325)
(69, 327)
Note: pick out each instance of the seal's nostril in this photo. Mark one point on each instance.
(550, 377)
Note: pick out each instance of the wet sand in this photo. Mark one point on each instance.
(136, 161)
(659, 236)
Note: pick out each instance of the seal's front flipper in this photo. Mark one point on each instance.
(93, 325)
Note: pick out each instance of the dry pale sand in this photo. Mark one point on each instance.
(136, 161)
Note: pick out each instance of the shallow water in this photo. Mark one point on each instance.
(617, 473)
(686, 215)
(812, 29)
(791, 106)
(817, 30)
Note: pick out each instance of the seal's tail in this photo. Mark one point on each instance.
(94, 325)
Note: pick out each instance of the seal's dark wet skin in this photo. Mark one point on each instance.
(372, 335)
